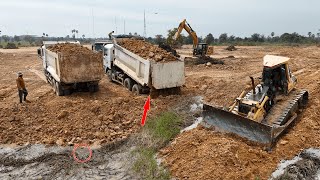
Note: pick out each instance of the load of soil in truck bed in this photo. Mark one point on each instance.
(72, 49)
(147, 50)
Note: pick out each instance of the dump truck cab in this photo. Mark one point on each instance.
(277, 75)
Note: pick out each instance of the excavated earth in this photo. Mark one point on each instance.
(205, 154)
(147, 50)
(112, 115)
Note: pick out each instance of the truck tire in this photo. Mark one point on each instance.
(128, 84)
(109, 74)
(91, 88)
(58, 89)
(136, 89)
(96, 88)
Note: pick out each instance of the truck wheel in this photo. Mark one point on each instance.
(136, 89)
(66, 92)
(58, 88)
(109, 74)
(96, 88)
(128, 83)
(91, 88)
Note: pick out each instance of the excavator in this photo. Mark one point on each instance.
(199, 49)
(265, 112)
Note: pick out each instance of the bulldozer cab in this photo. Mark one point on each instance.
(277, 75)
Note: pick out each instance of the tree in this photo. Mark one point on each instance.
(223, 38)
(29, 39)
(170, 38)
(5, 38)
(83, 36)
(209, 39)
(159, 39)
(309, 34)
(188, 40)
(272, 34)
(231, 38)
(16, 38)
(257, 37)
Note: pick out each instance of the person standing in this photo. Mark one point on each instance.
(21, 88)
(110, 34)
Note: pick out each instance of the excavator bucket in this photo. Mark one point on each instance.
(229, 122)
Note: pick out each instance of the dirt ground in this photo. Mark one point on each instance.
(110, 115)
(204, 154)
(113, 114)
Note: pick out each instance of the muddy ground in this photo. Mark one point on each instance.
(113, 114)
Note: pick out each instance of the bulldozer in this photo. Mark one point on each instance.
(265, 112)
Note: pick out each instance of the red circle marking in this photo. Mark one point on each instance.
(74, 153)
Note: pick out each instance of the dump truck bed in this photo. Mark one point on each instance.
(159, 75)
(73, 69)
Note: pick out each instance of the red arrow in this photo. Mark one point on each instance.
(146, 108)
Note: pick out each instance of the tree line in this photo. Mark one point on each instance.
(224, 39)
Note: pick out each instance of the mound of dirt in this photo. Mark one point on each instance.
(147, 50)
(71, 49)
(231, 48)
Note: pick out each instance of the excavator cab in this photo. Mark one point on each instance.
(201, 49)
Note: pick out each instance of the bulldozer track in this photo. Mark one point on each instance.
(282, 111)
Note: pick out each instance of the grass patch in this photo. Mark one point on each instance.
(164, 127)
(146, 165)
(157, 133)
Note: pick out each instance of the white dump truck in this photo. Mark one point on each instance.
(141, 75)
(68, 73)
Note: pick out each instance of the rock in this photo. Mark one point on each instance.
(63, 114)
(116, 128)
(151, 55)
(158, 57)
(284, 142)
(60, 142)
(209, 64)
(70, 143)
(97, 123)
(96, 144)
(203, 87)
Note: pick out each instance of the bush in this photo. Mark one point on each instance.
(11, 46)
(1, 46)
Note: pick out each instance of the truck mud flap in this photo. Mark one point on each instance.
(226, 121)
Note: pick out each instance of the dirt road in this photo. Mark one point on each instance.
(203, 154)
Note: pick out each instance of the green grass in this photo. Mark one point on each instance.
(157, 133)
(164, 127)
(146, 165)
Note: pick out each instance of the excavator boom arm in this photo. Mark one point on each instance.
(184, 25)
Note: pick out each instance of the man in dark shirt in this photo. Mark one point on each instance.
(21, 88)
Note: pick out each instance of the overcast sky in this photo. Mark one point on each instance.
(99, 17)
